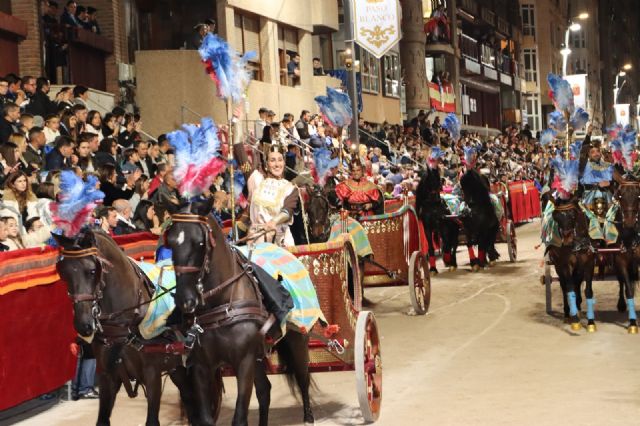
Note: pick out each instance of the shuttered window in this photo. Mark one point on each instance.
(287, 47)
(247, 39)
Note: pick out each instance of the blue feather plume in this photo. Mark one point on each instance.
(452, 124)
(77, 201)
(566, 176)
(574, 149)
(561, 93)
(436, 153)
(557, 121)
(239, 182)
(547, 136)
(469, 156)
(579, 119)
(592, 176)
(623, 146)
(198, 161)
(323, 163)
(226, 67)
(336, 107)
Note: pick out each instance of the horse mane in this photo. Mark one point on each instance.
(475, 188)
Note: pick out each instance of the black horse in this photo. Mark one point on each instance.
(574, 260)
(215, 286)
(480, 222)
(110, 296)
(626, 262)
(433, 212)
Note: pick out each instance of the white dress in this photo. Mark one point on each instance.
(266, 198)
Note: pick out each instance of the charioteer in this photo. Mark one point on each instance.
(358, 195)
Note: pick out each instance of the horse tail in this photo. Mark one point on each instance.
(291, 363)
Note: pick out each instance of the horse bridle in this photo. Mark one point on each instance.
(327, 229)
(97, 294)
(623, 211)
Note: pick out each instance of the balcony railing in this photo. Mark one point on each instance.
(469, 47)
(470, 6)
(488, 16)
(487, 55)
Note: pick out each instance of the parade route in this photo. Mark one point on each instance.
(485, 354)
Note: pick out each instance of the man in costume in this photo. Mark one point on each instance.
(358, 195)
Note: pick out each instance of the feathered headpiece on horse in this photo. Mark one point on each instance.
(226, 67)
(322, 165)
(435, 154)
(335, 107)
(452, 125)
(77, 200)
(623, 147)
(561, 94)
(198, 158)
(566, 173)
(470, 157)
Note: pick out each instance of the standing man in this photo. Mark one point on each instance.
(261, 122)
(293, 69)
(302, 125)
(34, 155)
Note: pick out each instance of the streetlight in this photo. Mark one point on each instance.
(627, 67)
(617, 87)
(573, 26)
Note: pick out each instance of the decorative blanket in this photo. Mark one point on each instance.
(453, 203)
(606, 231)
(162, 275)
(357, 232)
(277, 261)
(497, 206)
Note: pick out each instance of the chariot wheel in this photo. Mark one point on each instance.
(368, 364)
(419, 284)
(512, 242)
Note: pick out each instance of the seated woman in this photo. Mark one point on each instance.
(272, 198)
(358, 195)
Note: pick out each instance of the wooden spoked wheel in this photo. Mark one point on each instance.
(419, 284)
(512, 242)
(368, 365)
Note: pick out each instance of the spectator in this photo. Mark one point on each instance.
(45, 193)
(145, 218)
(144, 162)
(81, 112)
(13, 240)
(28, 86)
(40, 104)
(15, 94)
(157, 180)
(63, 98)
(20, 142)
(69, 124)
(93, 19)
(302, 126)
(108, 217)
(4, 88)
(131, 158)
(9, 154)
(60, 158)
(317, 67)
(260, 122)
(9, 121)
(82, 17)
(94, 124)
(81, 96)
(33, 225)
(68, 17)
(34, 155)
(51, 128)
(125, 138)
(112, 190)
(201, 30)
(26, 123)
(107, 153)
(167, 198)
(163, 149)
(124, 225)
(84, 154)
(4, 233)
(110, 126)
(18, 201)
(293, 69)
(140, 192)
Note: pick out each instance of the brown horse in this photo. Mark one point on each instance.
(109, 295)
(628, 196)
(215, 286)
(574, 260)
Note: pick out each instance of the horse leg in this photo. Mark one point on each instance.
(563, 287)
(179, 378)
(591, 301)
(431, 250)
(298, 345)
(109, 386)
(245, 374)
(625, 270)
(473, 260)
(263, 391)
(200, 375)
(153, 386)
(571, 299)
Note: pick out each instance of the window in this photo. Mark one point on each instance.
(530, 65)
(532, 104)
(578, 39)
(580, 66)
(370, 72)
(391, 75)
(248, 39)
(287, 47)
(528, 20)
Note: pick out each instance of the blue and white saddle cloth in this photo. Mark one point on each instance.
(163, 278)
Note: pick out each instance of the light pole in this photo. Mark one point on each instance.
(573, 26)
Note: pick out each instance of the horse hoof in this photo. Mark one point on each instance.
(452, 268)
(591, 328)
(576, 326)
(475, 268)
(633, 329)
(492, 263)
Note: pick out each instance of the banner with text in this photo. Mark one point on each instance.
(622, 114)
(376, 25)
(578, 84)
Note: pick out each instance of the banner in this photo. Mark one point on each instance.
(442, 97)
(578, 84)
(622, 114)
(376, 25)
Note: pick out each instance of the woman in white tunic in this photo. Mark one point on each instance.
(272, 198)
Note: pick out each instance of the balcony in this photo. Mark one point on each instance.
(488, 16)
(438, 35)
(324, 16)
(469, 6)
(470, 51)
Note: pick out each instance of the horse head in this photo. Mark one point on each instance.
(190, 239)
(81, 268)
(628, 196)
(566, 217)
(318, 211)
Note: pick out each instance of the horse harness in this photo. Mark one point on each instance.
(228, 313)
(580, 243)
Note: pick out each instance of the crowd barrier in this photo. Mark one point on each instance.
(524, 200)
(37, 320)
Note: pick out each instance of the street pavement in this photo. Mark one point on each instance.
(487, 353)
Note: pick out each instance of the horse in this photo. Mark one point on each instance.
(574, 260)
(433, 212)
(480, 221)
(626, 262)
(214, 285)
(110, 295)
